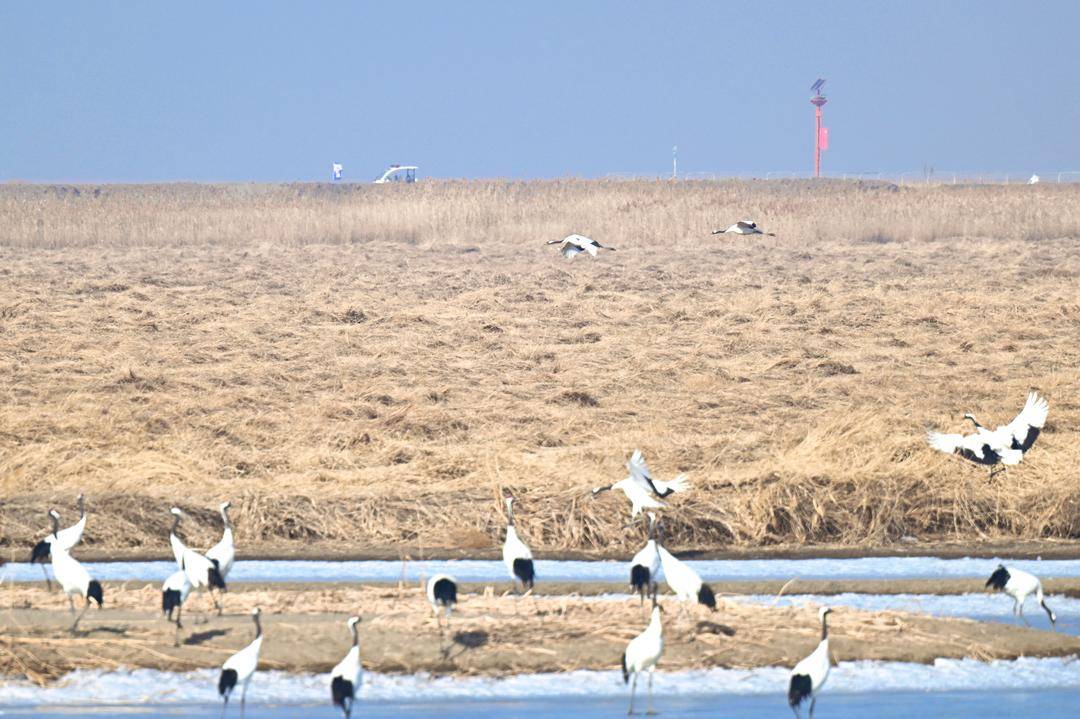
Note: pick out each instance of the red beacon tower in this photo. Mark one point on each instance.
(821, 136)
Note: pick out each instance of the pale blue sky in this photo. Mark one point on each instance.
(139, 91)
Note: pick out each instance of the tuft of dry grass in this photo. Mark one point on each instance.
(370, 365)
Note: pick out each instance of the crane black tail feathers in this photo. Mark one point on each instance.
(625, 671)
(40, 552)
(998, 579)
(523, 570)
(214, 578)
(445, 592)
(639, 578)
(170, 600)
(93, 591)
(341, 689)
(705, 596)
(800, 688)
(227, 682)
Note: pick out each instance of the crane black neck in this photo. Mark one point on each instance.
(825, 627)
(82, 506)
(355, 636)
(258, 626)
(175, 524)
(55, 524)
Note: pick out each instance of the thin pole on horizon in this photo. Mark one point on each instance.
(821, 134)
(674, 162)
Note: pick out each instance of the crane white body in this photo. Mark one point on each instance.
(809, 675)
(346, 677)
(684, 581)
(1005, 445)
(224, 552)
(1019, 585)
(239, 668)
(74, 580)
(642, 654)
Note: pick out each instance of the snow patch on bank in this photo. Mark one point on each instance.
(148, 686)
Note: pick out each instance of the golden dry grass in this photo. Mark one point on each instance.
(370, 365)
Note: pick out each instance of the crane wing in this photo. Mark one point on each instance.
(679, 484)
(637, 465)
(947, 443)
(1025, 428)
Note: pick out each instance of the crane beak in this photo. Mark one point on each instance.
(598, 490)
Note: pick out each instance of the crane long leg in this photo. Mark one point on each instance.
(48, 582)
(71, 603)
(225, 705)
(813, 700)
(1026, 622)
(649, 707)
(76, 624)
(243, 700)
(633, 688)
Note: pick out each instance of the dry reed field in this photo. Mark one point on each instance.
(365, 367)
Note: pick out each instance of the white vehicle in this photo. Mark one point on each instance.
(398, 173)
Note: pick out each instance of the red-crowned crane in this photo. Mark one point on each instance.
(74, 579)
(200, 571)
(239, 668)
(516, 555)
(642, 654)
(1005, 445)
(346, 677)
(809, 675)
(442, 595)
(66, 538)
(1019, 584)
(744, 227)
(573, 245)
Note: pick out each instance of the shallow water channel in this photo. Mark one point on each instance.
(468, 570)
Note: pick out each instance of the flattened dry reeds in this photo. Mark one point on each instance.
(369, 365)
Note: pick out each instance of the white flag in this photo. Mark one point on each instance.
(335, 171)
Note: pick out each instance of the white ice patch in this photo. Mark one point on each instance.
(471, 570)
(144, 686)
(981, 606)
